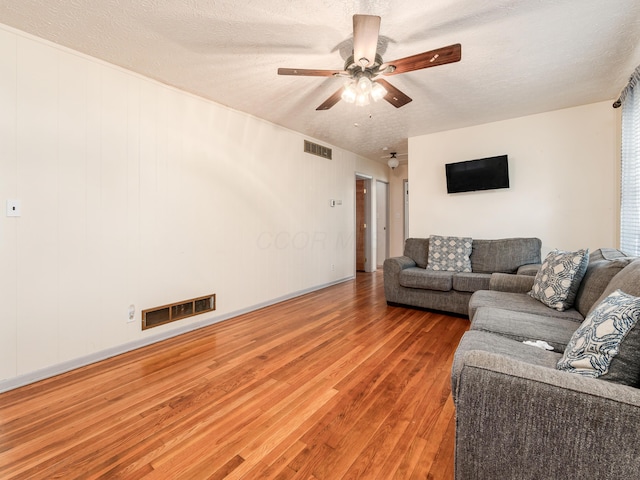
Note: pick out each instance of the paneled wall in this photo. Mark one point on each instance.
(135, 193)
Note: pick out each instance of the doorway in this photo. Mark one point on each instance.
(364, 257)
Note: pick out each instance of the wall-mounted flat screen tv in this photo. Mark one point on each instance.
(482, 174)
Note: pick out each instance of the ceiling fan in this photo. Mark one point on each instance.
(365, 67)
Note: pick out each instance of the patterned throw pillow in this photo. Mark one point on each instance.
(557, 282)
(449, 254)
(599, 339)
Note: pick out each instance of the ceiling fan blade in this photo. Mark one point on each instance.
(432, 58)
(394, 96)
(310, 72)
(365, 39)
(332, 100)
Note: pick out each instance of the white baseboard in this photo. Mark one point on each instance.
(63, 367)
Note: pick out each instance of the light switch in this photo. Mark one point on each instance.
(13, 208)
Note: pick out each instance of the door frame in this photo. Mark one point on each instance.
(405, 196)
(382, 212)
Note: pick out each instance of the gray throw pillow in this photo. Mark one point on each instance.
(449, 254)
(558, 280)
(607, 344)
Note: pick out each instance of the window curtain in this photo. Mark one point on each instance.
(630, 168)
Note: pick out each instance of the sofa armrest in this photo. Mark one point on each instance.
(529, 269)
(506, 282)
(392, 268)
(522, 421)
(397, 264)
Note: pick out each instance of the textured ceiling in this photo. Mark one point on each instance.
(518, 57)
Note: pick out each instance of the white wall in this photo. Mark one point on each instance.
(396, 209)
(133, 192)
(563, 180)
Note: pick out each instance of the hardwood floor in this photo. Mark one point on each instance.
(331, 385)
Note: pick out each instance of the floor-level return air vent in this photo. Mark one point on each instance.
(153, 317)
(315, 149)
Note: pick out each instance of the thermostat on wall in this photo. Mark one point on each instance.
(13, 208)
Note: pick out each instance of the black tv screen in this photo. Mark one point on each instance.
(482, 174)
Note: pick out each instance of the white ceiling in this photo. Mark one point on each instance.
(518, 57)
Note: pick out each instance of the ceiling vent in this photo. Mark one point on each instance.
(315, 149)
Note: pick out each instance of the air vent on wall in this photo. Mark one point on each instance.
(152, 317)
(315, 149)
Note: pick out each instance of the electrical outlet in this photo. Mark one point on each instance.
(132, 313)
(333, 267)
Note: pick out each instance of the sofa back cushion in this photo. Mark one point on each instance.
(607, 254)
(601, 269)
(626, 280)
(417, 249)
(504, 255)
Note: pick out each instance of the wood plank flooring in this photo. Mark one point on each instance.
(331, 385)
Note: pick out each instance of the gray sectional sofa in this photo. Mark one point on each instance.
(517, 415)
(407, 281)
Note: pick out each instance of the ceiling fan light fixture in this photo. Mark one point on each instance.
(362, 99)
(393, 163)
(364, 84)
(377, 91)
(349, 93)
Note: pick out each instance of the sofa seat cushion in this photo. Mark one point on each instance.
(471, 282)
(420, 278)
(523, 326)
(518, 302)
(490, 342)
